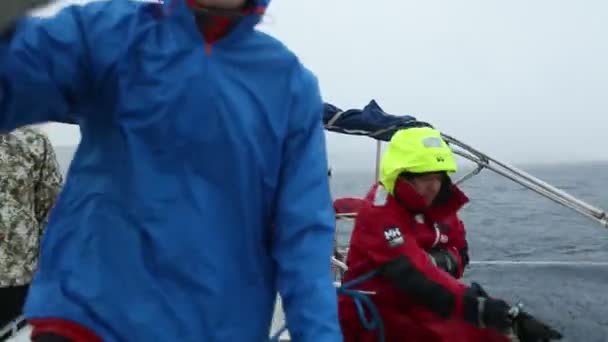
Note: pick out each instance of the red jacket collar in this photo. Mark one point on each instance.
(408, 199)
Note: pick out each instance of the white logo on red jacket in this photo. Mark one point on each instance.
(394, 237)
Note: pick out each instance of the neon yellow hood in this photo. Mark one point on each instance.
(415, 150)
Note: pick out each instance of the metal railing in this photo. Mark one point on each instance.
(484, 161)
(514, 174)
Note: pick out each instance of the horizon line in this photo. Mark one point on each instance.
(524, 163)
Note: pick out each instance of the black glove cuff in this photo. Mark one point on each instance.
(472, 308)
(528, 328)
(485, 311)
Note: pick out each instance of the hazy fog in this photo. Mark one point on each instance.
(525, 81)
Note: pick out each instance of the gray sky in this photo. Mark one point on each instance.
(522, 80)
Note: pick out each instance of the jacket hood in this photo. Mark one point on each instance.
(410, 200)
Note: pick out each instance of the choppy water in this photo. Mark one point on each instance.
(507, 222)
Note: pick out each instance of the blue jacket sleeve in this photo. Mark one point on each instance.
(305, 222)
(41, 69)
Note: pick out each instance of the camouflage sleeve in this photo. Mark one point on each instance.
(49, 183)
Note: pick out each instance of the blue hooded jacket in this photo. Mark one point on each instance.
(188, 157)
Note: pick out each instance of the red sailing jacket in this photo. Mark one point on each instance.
(388, 227)
(447, 231)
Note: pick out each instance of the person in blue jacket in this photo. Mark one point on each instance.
(198, 133)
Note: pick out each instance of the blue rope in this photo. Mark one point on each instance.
(362, 301)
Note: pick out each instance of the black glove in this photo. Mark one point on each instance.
(494, 314)
(529, 329)
(443, 259)
(477, 290)
(499, 315)
(484, 311)
(488, 312)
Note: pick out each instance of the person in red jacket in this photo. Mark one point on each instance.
(445, 239)
(410, 235)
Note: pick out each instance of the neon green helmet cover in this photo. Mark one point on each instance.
(415, 150)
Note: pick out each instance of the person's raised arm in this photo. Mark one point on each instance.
(304, 231)
(42, 68)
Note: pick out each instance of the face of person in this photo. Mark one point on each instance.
(427, 185)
